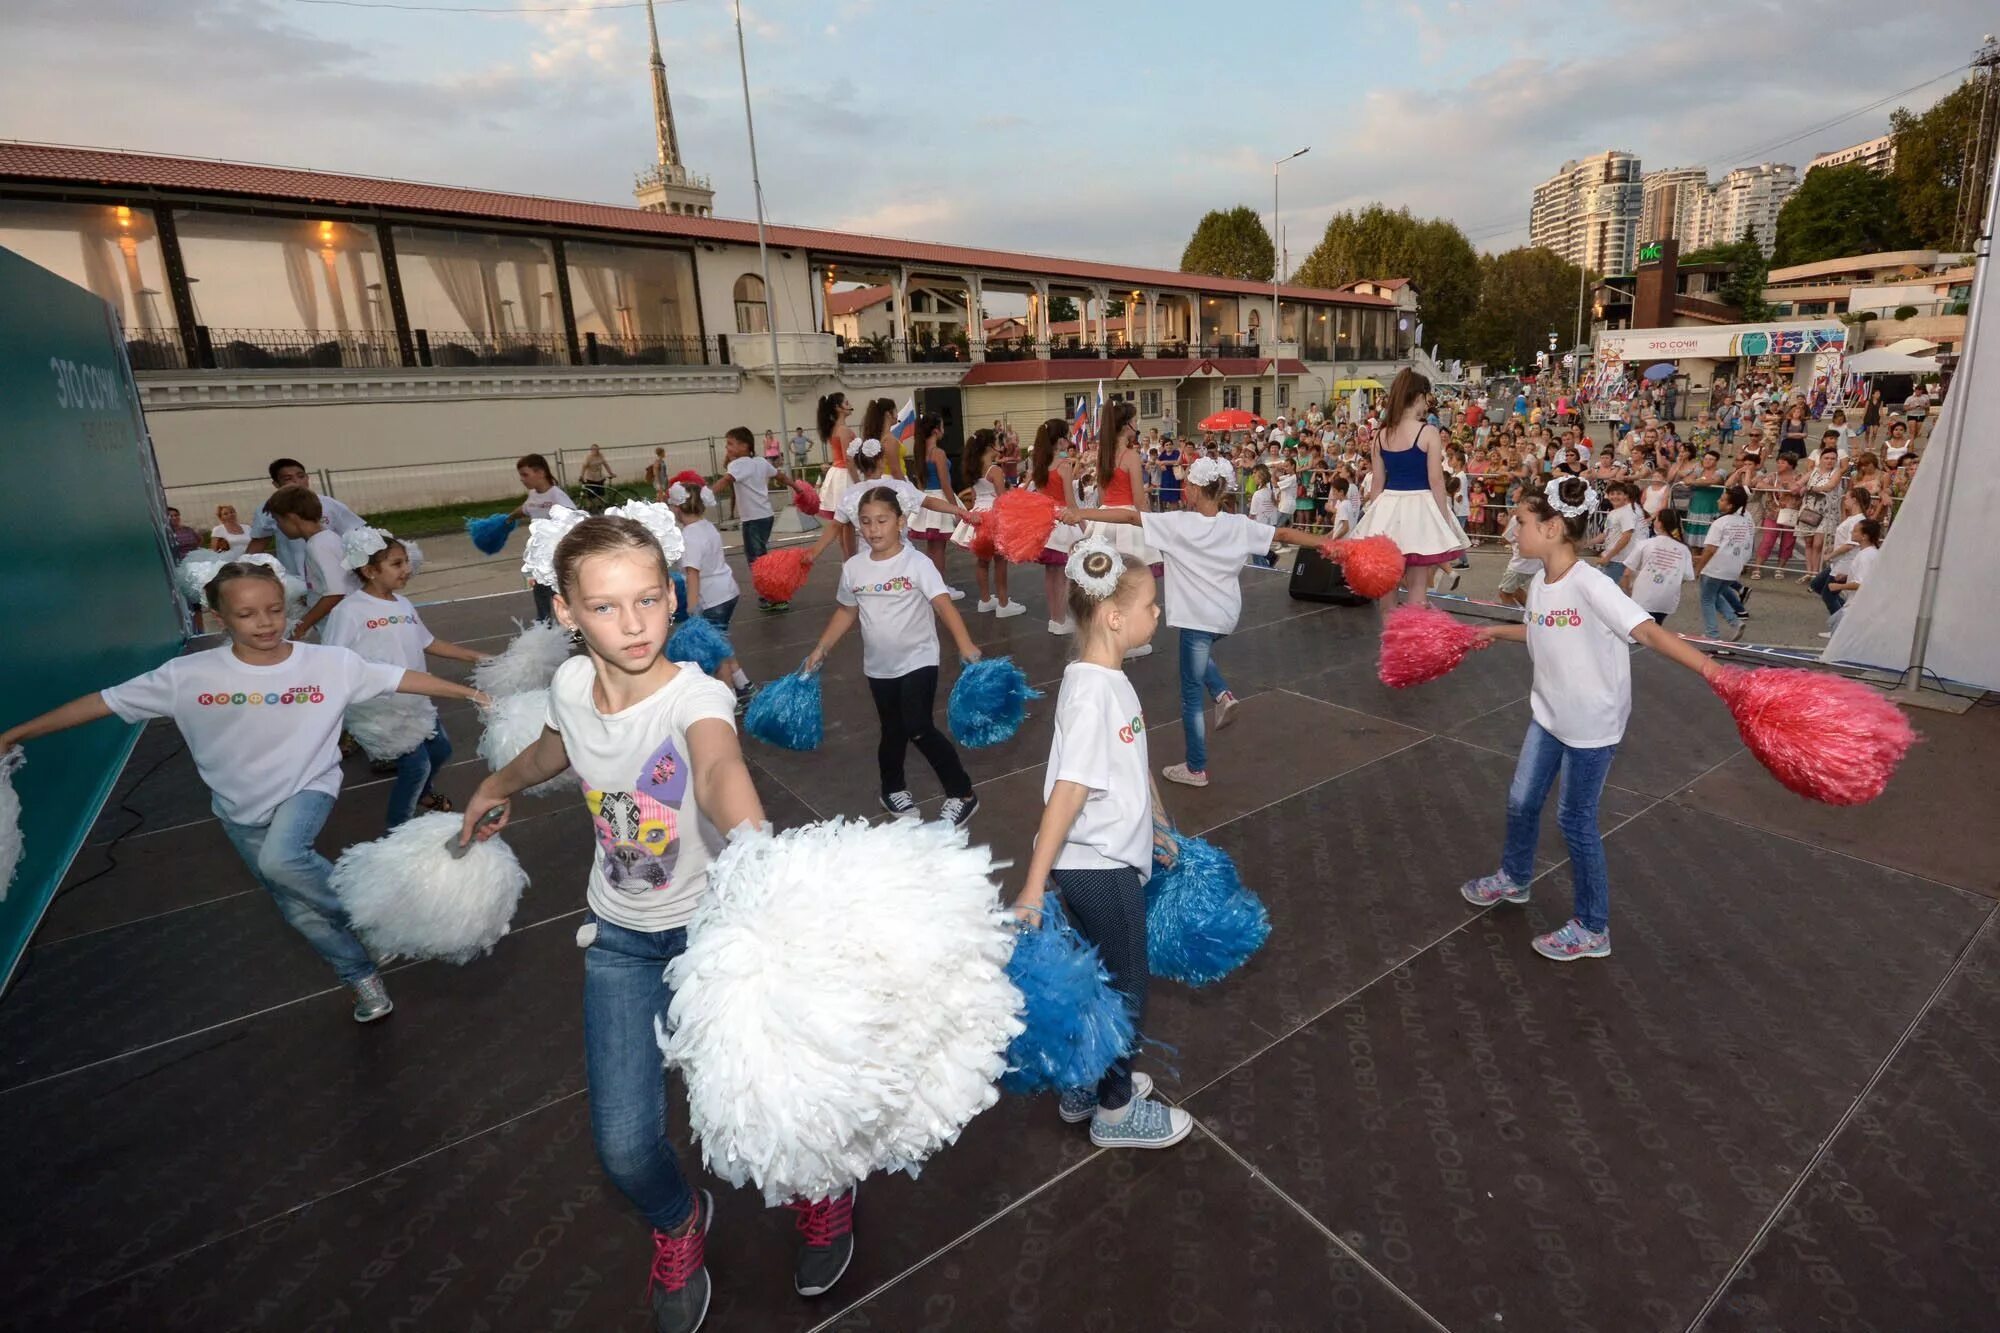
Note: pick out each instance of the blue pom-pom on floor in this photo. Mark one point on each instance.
(490, 534)
(1201, 923)
(786, 713)
(1075, 1024)
(700, 642)
(989, 702)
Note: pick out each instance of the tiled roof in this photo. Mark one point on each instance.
(146, 171)
(1064, 370)
(861, 298)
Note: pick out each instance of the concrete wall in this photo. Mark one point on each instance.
(717, 267)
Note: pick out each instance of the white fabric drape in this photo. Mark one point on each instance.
(357, 273)
(528, 290)
(460, 279)
(598, 285)
(489, 291)
(299, 277)
(334, 296)
(100, 273)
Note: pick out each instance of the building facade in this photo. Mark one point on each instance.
(1885, 297)
(667, 186)
(1748, 198)
(1588, 212)
(1877, 154)
(1670, 199)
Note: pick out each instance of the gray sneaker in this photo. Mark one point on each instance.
(679, 1285)
(1080, 1104)
(1494, 888)
(371, 999)
(1572, 942)
(1145, 1124)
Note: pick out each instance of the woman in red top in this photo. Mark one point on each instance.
(1120, 482)
(1050, 472)
(836, 435)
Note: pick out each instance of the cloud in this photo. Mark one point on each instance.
(926, 218)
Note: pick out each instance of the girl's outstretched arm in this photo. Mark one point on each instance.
(75, 713)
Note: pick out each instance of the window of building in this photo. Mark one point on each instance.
(1256, 400)
(111, 250)
(481, 298)
(633, 303)
(278, 286)
(1149, 403)
(1232, 396)
(752, 315)
(1284, 396)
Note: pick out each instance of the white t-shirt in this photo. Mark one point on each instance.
(849, 503)
(1264, 506)
(381, 631)
(898, 624)
(1731, 535)
(325, 575)
(1843, 535)
(1288, 493)
(1579, 630)
(1623, 519)
(339, 519)
(1659, 567)
(539, 503)
(238, 542)
(1516, 562)
(1100, 744)
(259, 735)
(748, 478)
(1861, 565)
(653, 842)
(1347, 512)
(703, 555)
(1203, 556)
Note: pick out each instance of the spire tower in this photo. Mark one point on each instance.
(666, 186)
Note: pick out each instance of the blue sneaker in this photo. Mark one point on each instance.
(1572, 942)
(1494, 888)
(1145, 1124)
(1080, 1104)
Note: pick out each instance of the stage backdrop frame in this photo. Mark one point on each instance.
(95, 604)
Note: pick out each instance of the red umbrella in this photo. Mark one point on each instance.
(1231, 418)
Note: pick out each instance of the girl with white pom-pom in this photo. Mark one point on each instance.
(1102, 826)
(381, 624)
(711, 584)
(262, 719)
(654, 744)
(897, 596)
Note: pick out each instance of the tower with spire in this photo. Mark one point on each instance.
(666, 186)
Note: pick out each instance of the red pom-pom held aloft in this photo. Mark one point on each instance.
(1374, 565)
(1825, 737)
(805, 497)
(689, 478)
(1419, 644)
(1022, 521)
(779, 574)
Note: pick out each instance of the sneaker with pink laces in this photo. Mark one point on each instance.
(828, 1228)
(1575, 940)
(1184, 775)
(680, 1287)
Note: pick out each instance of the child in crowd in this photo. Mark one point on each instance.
(1346, 506)
(1521, 569)
(747, 478)
(543, 498)
(1725, 550)
(1102, 826)
(1854, 507)
(261, 717)
(982, 464)
(933, 528)
(1052, 473)
(1578, 630)
(1623, 529)
(711, 584)
(1263, 508)
(654, 743)
(1203, 549)
(1860, 567)
(1660, 564)
(378, 622)
(892, 591)
(868, 462)
(297, 513)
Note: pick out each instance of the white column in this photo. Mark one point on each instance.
(1152, 319)
(975, 323)
(898, 316)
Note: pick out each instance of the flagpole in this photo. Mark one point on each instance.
(763, 253)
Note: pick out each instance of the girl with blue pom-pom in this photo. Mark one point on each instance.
(711, 585)
(1102, 826)
(898, 596)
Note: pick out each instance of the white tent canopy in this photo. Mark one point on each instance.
(1888, 361)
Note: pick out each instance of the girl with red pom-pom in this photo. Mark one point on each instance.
(982, 464)
(1406, 485)
(1579, 625)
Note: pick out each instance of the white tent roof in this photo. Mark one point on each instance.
(1888, 361)
(1911, 346)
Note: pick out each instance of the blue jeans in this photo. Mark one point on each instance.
(414, 772)
(545, 604)
(1583, 773)
(1199, 678)
(1614, 570)
(280, 854)
(1715, 600)
(1834, 600)
(756, 537)
(720, 616)
(624, 991)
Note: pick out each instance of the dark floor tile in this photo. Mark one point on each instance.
(1908, 826)
(1481, 684)
(1139, 1241)
(1896, 1228)
(1592, 1145)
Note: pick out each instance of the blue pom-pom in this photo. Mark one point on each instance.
(490, 534)
(700, 642)
(1201, 923)
(786, 713)
(680, 596)
(1074, 1023)
(989, 702)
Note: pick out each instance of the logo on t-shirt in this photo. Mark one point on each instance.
(1132, 730)
(638, 831)
(901, 583)
(1564, 619)
(291, 694)
(383, 622)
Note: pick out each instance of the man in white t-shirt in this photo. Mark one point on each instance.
(748, 478)
(265, 538)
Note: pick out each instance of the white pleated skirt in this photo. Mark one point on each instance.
(1127, 540)
(928, 524)
(1411, 519)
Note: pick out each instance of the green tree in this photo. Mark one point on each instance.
(1838, 211)
(1523, 294)
(1934, 162)
(1743, 285)
(1378, 242)
(1061, 309)
(1231, 245)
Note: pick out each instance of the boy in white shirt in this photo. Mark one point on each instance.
(264, 535)
(747, 478)
(1725, 551)
(298, 514)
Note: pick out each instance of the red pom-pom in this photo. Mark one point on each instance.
(1825, 737)
(1374, 565)
(984, 544)
(1021, 521)
(805, 497)
(779, 574)
(1419, 644)
(689, 478)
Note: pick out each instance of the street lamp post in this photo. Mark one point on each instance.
(1275, 275)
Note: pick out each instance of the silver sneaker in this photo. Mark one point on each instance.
(371, 999)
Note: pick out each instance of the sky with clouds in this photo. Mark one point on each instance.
(1100, 130)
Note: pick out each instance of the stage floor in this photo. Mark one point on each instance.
(1774, 1108)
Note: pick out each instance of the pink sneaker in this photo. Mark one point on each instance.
(1184, 775)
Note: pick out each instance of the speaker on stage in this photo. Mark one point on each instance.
(1317, 579)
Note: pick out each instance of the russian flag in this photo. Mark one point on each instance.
(1079, 426)
(906, 421)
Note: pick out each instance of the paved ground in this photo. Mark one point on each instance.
(1772, 1109)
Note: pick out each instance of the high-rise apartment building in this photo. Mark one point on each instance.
(1748, 197)
(1878, 155)
(1671, 198)
(1588, 212)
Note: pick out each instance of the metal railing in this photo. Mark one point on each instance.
(902, 351)
(436, 347)
(657, 349)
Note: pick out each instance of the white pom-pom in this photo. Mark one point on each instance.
(416, 555)
(528, 663)
(513, 723)
(195, 571)
(842, 1006)
(10, 818)
(408, 897)
(391, 726)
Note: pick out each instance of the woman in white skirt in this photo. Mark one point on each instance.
(928, 528)
(1406, 474)
(837, 436)
(989, 479)
(1052, 474)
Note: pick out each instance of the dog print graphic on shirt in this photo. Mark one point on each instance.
(638, 836)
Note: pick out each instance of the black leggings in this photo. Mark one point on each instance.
(1108, 908)
(905, 705)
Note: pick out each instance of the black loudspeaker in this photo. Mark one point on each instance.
(1317, 579)
(949, 404)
